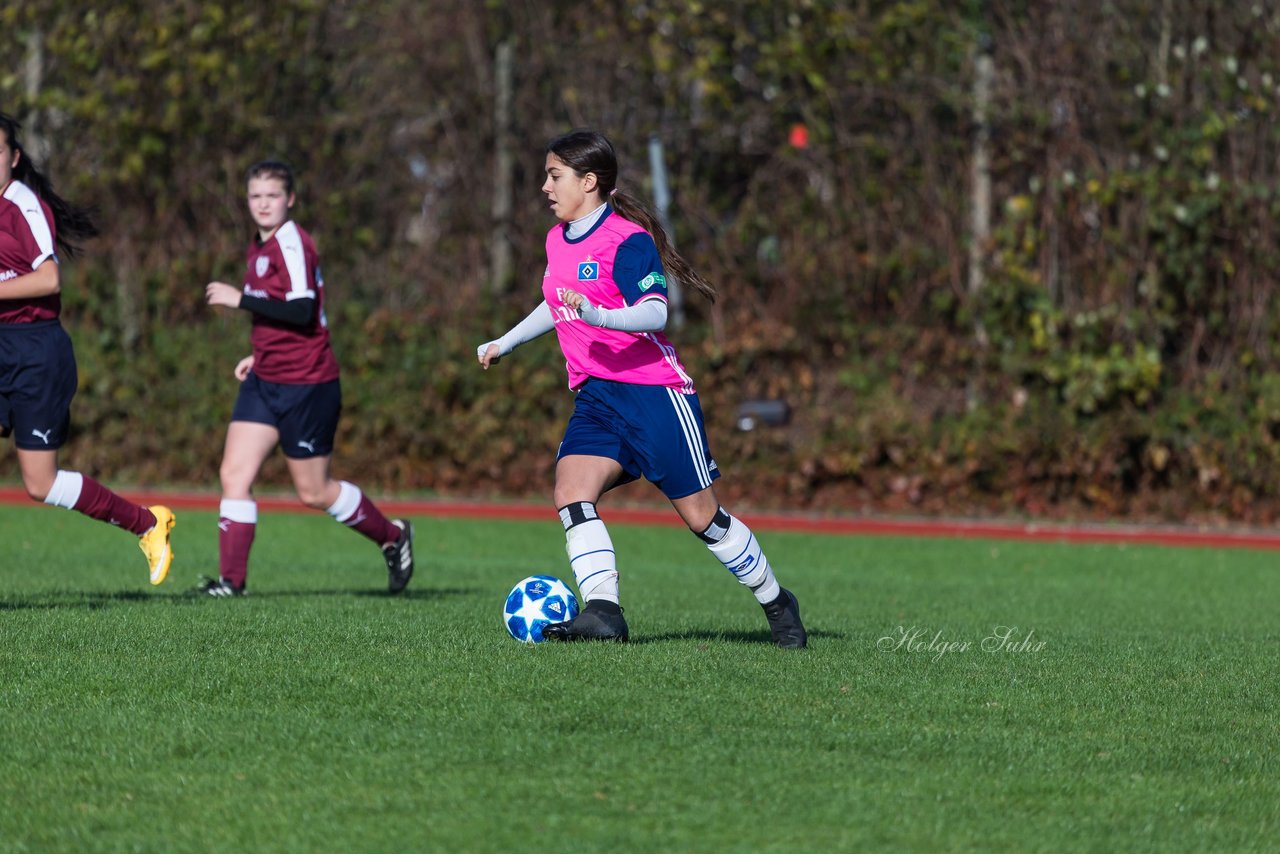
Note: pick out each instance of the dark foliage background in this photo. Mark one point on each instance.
(1117, 356)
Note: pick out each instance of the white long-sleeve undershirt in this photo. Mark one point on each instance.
(538, 322)
(647, 316)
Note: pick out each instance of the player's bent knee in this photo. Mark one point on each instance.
(234, 481)
(313, 498)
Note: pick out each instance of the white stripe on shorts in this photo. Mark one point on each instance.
(692, 435)
(669, 356)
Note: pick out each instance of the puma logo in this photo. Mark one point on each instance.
(44, 437)
(310, 446)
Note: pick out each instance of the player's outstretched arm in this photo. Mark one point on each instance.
(537, 323)
(295, 312)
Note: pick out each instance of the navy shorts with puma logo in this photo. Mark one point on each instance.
(305, 414)
(37, 381)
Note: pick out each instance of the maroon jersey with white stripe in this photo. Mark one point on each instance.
(287, 267)
(26, 241)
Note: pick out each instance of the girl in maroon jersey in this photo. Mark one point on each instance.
(37, 365)
(289, 392)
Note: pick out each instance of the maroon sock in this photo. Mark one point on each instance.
(234, 541)
(98, 502)
(368, 520)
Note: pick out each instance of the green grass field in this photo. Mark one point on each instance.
(1134, 706)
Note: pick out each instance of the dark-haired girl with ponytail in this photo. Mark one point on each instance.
(37, 365)
(636, 413)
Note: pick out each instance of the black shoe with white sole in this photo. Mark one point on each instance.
(218, 588)
(399, 557)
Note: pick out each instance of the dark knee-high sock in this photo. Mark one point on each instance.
(354, 509)
(79, 492)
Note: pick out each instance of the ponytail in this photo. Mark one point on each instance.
(71, 222)
(630, 208)
(586, 151)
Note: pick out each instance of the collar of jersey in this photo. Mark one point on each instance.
(564, 227)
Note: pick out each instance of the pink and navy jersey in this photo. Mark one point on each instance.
(286, 267)
(26, 241)
(613, 265)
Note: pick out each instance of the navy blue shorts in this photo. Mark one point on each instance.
(37, 381)
(652, 431)
(305, 415)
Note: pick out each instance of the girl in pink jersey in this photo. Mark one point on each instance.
(636, 413)
(289, 392)
(37, 365)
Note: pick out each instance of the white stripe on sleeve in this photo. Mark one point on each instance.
(29, 203)
(295, 261)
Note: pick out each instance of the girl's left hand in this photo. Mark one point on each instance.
(583, 306)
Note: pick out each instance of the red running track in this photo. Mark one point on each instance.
(1025, 532)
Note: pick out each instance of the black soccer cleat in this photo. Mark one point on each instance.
(399, 557)
(218, 588)
(594, 622)
(784, 621)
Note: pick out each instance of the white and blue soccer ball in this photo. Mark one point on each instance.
(536, 602)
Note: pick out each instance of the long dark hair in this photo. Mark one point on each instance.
(71, 223)
(586, 151)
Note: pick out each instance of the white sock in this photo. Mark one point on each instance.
(347, 503)
(736, 547)
(65, 491)
(590, 552)
(240, 510)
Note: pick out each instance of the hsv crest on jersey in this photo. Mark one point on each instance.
(588, 271)
(260, 266)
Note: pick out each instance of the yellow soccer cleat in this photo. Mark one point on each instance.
(155, 544)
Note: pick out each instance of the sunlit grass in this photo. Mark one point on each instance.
(1131, 703)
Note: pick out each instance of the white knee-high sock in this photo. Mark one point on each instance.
(65, 491)
(590, 552)
(736, 547)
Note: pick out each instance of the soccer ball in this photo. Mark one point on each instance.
(536, 602)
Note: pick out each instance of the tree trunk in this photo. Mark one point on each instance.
(980, 180)
(33, 78)
(504, 172)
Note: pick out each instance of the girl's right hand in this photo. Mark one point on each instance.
(220, 293)
(488, 354)
(243, 367)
